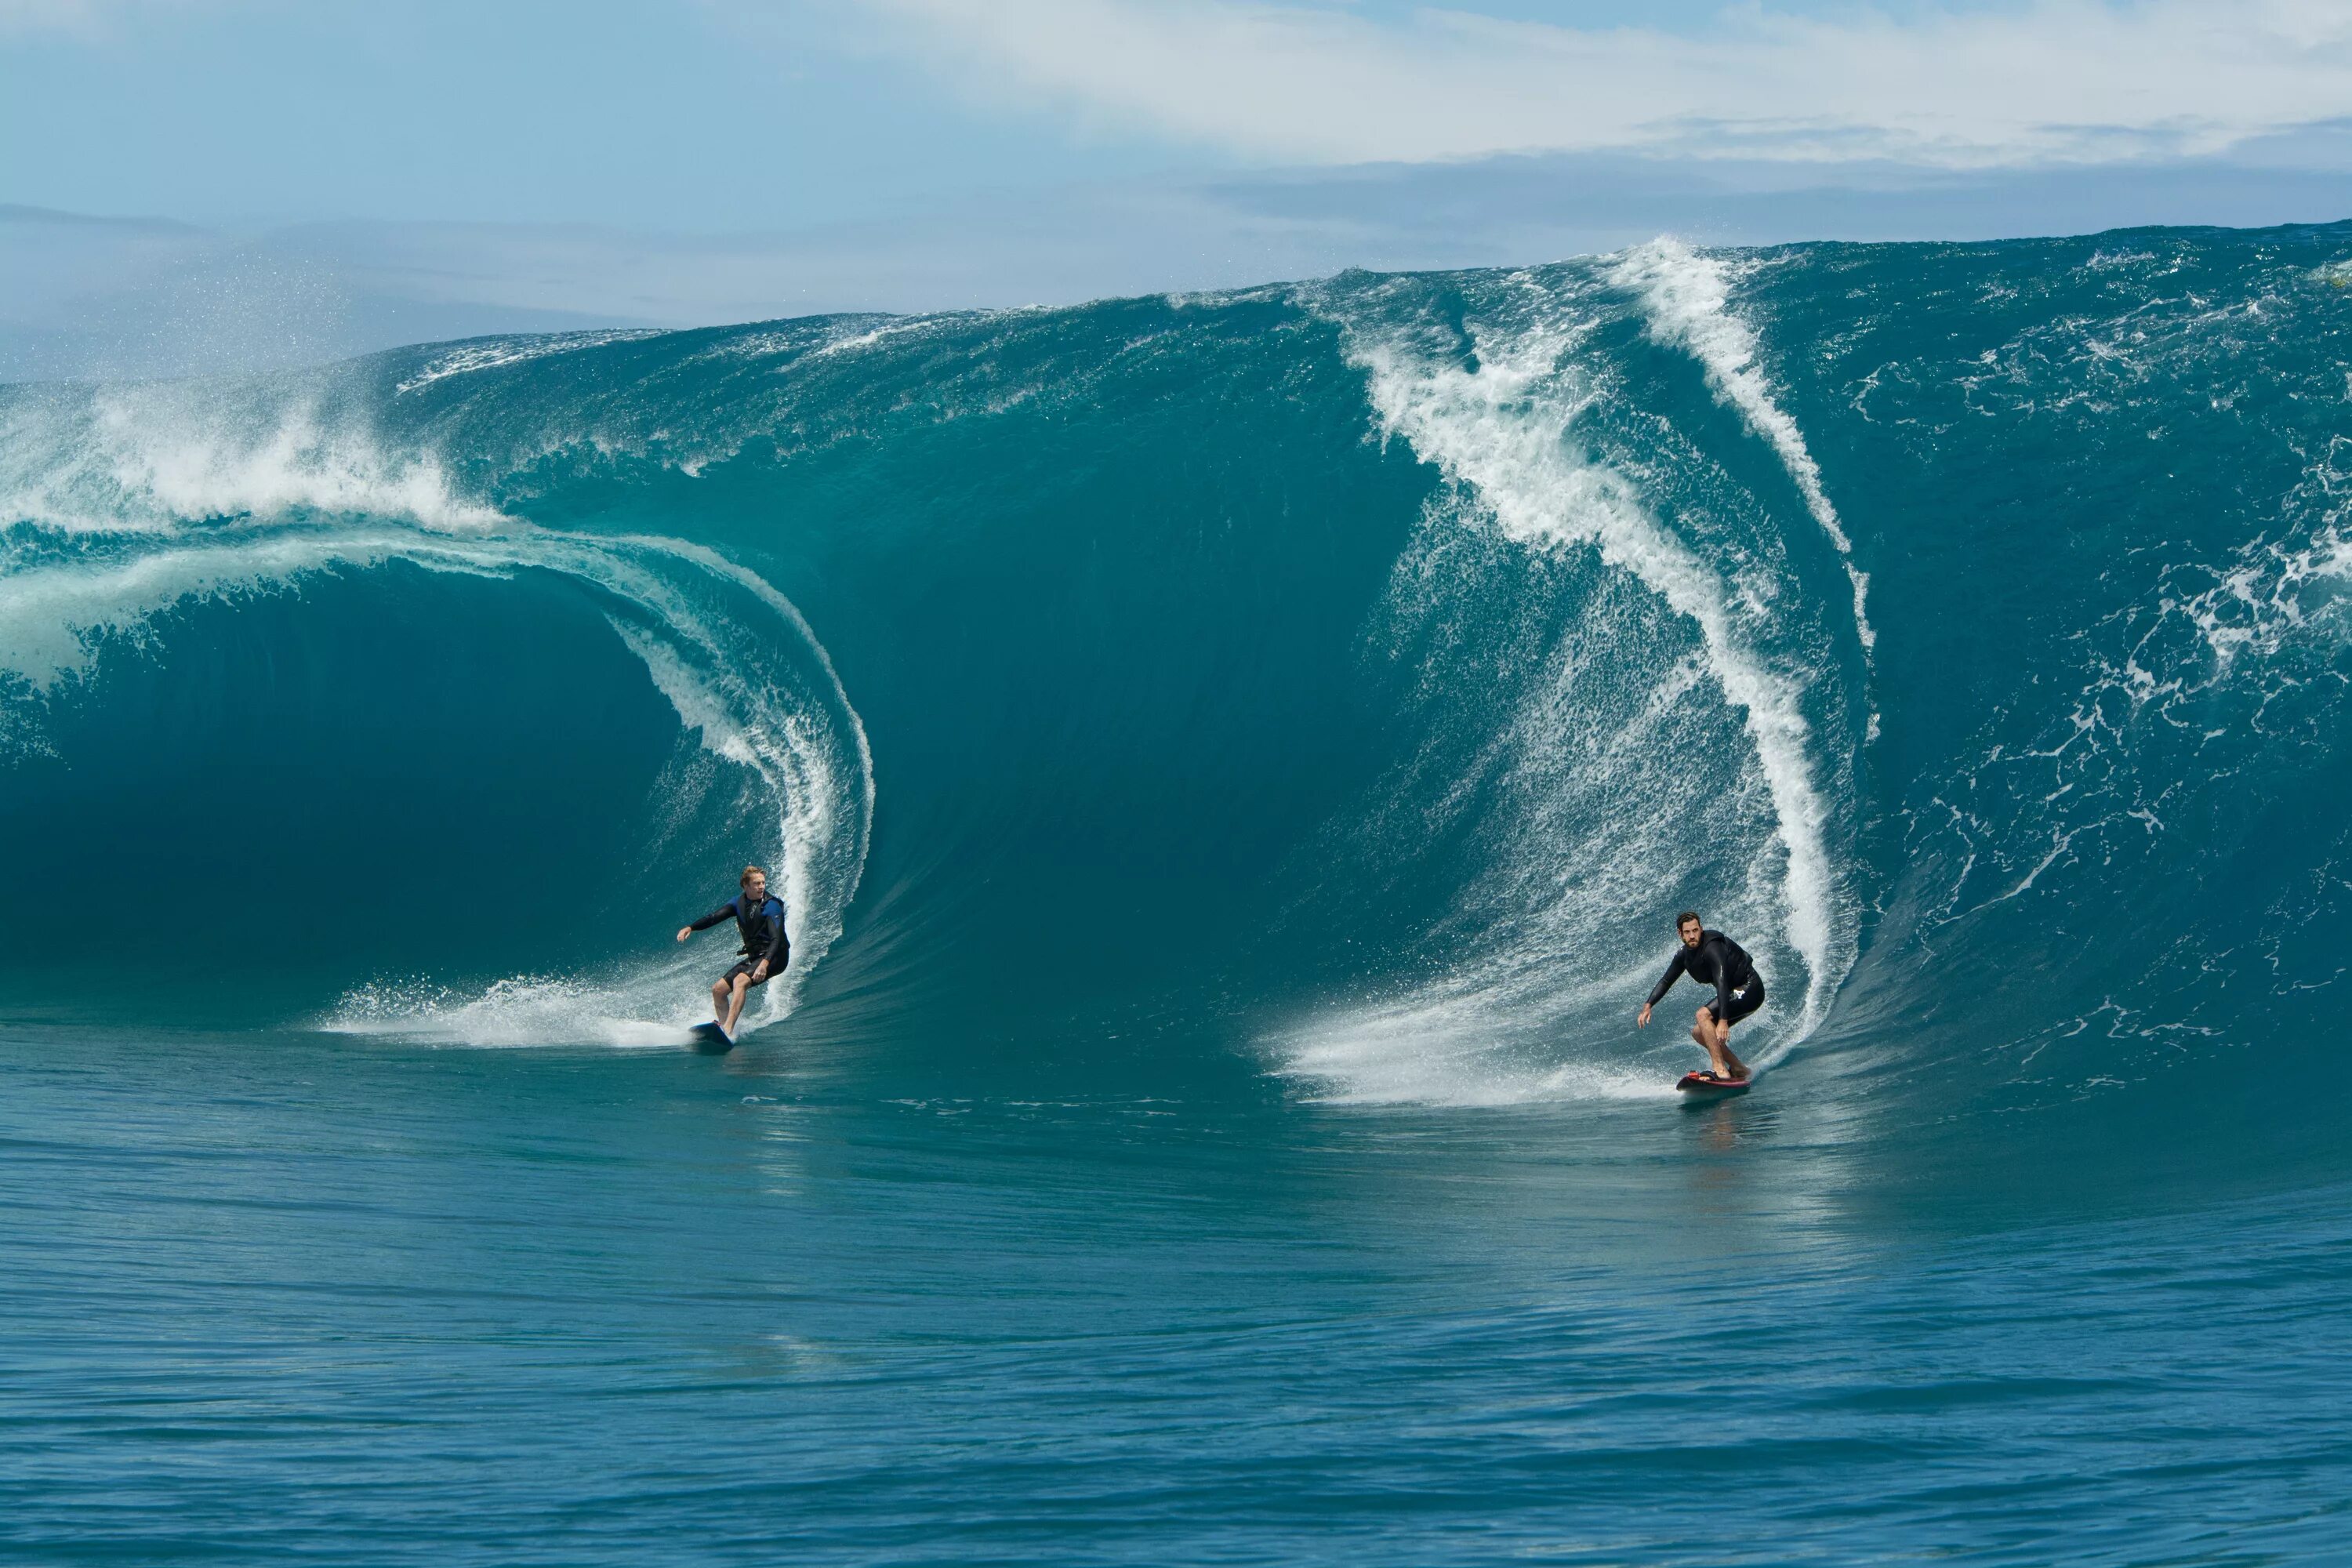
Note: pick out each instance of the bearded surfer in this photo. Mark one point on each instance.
(760, 921)
(1713, 958)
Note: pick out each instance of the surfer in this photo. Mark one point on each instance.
(1713, 958)
(760, 920)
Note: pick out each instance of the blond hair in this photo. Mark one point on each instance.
(749, 873)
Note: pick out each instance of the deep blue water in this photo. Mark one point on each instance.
(1232, 762)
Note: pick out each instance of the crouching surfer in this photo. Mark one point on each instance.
(760, 920)
(1713, 958)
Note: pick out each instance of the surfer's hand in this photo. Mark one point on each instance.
(1643, 1021)
(684, 931)
(759, 970)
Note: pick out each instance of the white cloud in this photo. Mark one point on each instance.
(43, 15)
(87, 19)
(2048, 81)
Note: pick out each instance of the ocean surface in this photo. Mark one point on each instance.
(1231, 763)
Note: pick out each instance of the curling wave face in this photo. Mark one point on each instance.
(147, 521)
(1360, 672)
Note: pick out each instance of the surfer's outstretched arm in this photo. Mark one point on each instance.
(722, 912)
(1680, 961)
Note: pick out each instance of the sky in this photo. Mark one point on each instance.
(305, 176)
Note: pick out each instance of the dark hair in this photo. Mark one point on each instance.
(1687, 917)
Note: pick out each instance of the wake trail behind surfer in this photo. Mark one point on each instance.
(1713, 958)
(760, 921)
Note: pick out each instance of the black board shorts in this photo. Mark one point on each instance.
(1743, 1001)
(744, 967)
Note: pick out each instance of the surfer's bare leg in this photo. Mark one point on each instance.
(719, 999)
(735, 1002)
(1703, 1036)
(1715, 1041)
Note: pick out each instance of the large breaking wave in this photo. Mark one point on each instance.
(1358, 674)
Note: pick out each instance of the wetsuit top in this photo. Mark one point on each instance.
(1716, 961)
(761, 925)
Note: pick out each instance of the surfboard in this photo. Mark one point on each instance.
(1691, 1083)
(711, 1037)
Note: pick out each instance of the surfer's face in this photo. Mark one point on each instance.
(756, 886)
(1690, 933)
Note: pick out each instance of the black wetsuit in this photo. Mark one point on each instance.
(762, 927)
(1719, 962)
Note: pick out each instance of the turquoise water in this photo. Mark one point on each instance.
(274, 1299)
(1231, 762)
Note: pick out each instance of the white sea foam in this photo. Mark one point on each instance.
(527, 1011)
(851, 342)
(1441, 1049)
(2268, 594)
(799, 339)
(154, 457)
(698, 708)
(489, 353)
(1686, 297)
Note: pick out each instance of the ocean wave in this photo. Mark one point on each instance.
(1361, 673)
(749, 682)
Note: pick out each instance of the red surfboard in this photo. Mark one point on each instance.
(1702, 1083)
